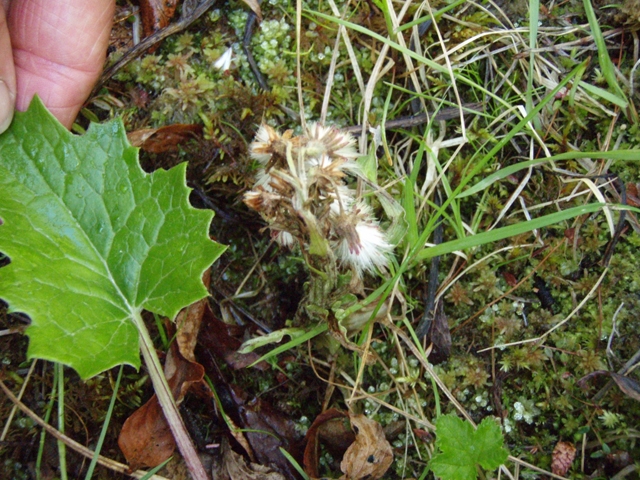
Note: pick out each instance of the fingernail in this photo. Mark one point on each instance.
(7, 103)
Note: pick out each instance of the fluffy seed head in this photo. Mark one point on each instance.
(262, 147)
(359, 241)
(263, 201)
(315, 194)
(330, 141)
(284, 238)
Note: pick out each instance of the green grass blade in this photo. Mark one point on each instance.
(534, 13)
(516, 129)
(437, 14)
(317, 330)
(407, 51)
(105, 426)
(155, 470)
(628, 155)
(608, 70)
(410, 212)
(478, 166)
(505, 232)
(600, 92)
(417, 254)
(295, 464)
(43, 434)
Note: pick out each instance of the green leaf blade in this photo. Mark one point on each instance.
(491, 454)
(462, 448)
(450, 465)
(93, 240)
(455, 436)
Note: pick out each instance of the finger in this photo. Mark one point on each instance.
(7, 75)
(59, 50)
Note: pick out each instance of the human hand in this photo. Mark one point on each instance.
(55, 49)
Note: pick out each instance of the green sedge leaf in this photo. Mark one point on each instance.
(93, 240)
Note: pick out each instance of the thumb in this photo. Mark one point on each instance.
(7, 75)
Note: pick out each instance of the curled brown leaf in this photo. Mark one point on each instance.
(232, 466)
(163, 139)
(370, 456)
(313, 437)
(156, 14)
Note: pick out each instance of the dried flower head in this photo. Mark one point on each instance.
(269, 148)
(332, 168)
(331, 142)
(300, 191)
(359, 241)
(284, 238)
(265, 202)
(262, 147)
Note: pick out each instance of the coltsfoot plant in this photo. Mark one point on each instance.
(302, 194)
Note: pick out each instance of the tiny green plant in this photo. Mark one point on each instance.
(462, 449)
(93, 240)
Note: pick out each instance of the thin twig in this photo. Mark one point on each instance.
(432, 289)
(422, 118)
(25, 383)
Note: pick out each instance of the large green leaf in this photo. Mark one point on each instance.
(93, 240)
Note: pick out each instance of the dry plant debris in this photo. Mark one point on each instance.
(370, 455)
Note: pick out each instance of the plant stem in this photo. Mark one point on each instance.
(62, 449)
(43, 434)
(168, 403)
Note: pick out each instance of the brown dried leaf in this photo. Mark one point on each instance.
(267, 430)
(146, 439)
(156, 14)
(188, 324)
(633, 196)
(233, 466)
(627, 385)
(223, 341)
(423, 435)
(570, 234)
(370, 456)
(562, 457)
(440, 336)
(255, 6)
(510, 278)
(619, 459)
(314, 435)
(163, 139)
